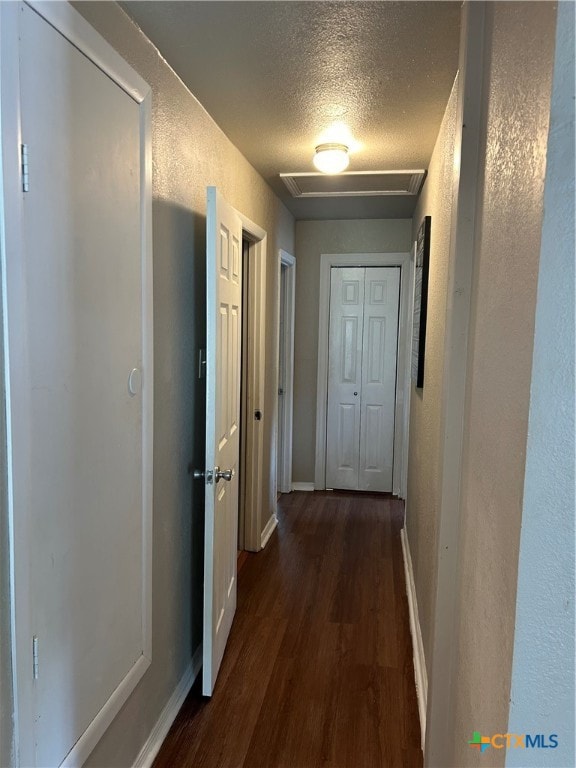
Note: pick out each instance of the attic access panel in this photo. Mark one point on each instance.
(354, 183)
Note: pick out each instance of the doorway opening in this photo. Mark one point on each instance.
(252, 386)
(244, 356)
(286, 305)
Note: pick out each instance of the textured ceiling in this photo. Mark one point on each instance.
(280, 77)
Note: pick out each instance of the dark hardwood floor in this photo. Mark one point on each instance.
(318, 669)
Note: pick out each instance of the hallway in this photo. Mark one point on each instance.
(318, 669)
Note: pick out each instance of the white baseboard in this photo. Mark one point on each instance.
(420, 674)
(268, 531)
(302, 486)
(168, 714)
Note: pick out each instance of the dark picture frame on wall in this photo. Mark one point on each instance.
(421, 271)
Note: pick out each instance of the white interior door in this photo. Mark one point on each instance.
(224, 326)
(378, 400)
(363, 347)
(344, 377)
(79, 392)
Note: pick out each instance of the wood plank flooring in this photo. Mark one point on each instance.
(318, 670)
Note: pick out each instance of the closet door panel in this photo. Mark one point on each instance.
(344, 377)
(378, 382)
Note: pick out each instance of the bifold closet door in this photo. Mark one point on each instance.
(363, 342)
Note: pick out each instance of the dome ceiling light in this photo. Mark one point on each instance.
(331, 158)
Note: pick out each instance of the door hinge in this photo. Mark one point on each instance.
(35, 657)
(24, 167)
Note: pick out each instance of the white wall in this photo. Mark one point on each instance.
(542, 696)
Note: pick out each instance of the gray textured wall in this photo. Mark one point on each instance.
(313, 238)
(424, 480)
(518, 61)
(514, 123)
(542, 695)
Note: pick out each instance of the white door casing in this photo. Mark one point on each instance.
(344, 377)
(287, 305)
(281, 373)
(363, 340)
(77, 320)
(223, 350)
(327, 261)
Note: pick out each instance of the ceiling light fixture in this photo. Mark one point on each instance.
(331, 158)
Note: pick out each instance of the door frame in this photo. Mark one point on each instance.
(283, 439)
(256, 366)
(73, 27)
(464, 186)
(327, 261)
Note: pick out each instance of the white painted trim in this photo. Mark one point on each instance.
(303, 487)
(147, 366)
(268, 530)
(68, 22)
(285, 429)
(92, 735)
(420, 674)
(291, 181)
(286, 258)
(255, 389)
(327, 261)
(156, 738)
(76, 29)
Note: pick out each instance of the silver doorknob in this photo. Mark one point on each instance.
(223, 474)
(200, 474)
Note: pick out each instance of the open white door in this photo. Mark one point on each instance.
(223, 331)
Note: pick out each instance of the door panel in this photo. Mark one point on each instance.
(375, 349)
(380, 348)
(371, 437)
(344, 377)
(349, 349)
(224, 327)
(347, 447)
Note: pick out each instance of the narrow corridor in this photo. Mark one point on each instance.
(318, 669)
